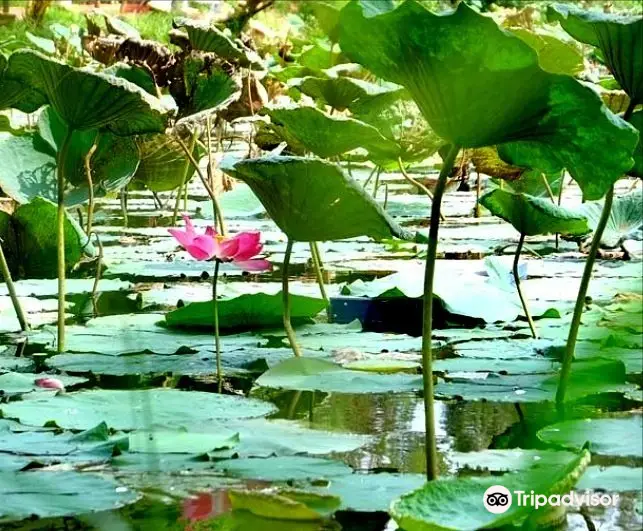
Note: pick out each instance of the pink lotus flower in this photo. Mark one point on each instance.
(239, 250)
(50, 383)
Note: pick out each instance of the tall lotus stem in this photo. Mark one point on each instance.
(90, 184)
(561, 187)
(477, 212)
(570, 348)
(290, 333)
(417, 184)
(317, 265)
(6, 274)
(217, 339)
(523, 301)
(60, 225)
(183, 184)
(427, 355)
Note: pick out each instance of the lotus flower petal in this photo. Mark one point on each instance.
(49, 383)
(253, 265)
(249, 245)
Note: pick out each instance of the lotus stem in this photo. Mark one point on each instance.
(427, 355)
(123, 196)
(560, 200)
(385, 196)
(183, 184)
(90, 184)
(60, 226)
(477, 212)
(376, 184)
(290, 333)
(217, 339)
(418, 184)
(580, 300)
(317, 265)
(523, 301)
(570, 348)
(550, 192)
(11, 288)
(370, 176)
(215, 202)
(99, 265)
(215, 205)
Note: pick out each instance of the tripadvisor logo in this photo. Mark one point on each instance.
(498, 499)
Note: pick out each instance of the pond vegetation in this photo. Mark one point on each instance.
(346, 272)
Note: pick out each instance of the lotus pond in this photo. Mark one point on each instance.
(346, 265)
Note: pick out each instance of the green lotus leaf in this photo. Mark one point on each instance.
(209, 90)
(35, 229)
(327, 15)
(129, 410)
(319, 56)
(119, 27)
(637, 121)
(284, 505)
(532, 182)
(478, 85)
(46, 45)
(531, 215)
(309, 129)
(343, 93)
(626, 217)
(53, 494)
(208, 38)
(16, 94)
(554, 55)
(455, 504)
(134, 74)
(253, 310)
(89, 100)
(162, 165)
(620, 39)
(619, 436)
(313, 200)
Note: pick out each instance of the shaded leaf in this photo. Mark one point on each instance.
(625, 218)
(531, 215)
(478, 86)
(554, 55)
(313, 200)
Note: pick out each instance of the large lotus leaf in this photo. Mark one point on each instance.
(533, 215)
(162, 165)
(554, 55)
(313, 200)
(212, 89)
(637, 121)
(89, 100)
(35, 226)
(532, 182)
(625, 219)
(136, 409)
(620, 38)
(291, 505)
(327, 15)
(608, 436)
(134, 74)
(18, 95)
(113, 163)
(248, 311)
(284, 468)
(311, 374)
(456, 503)
(45, 447)
(309, 129)
(54, 494)
(181, 441)
(477, 85)
(342, 93)
(208, 38)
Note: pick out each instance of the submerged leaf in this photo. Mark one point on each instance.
(313, 200)
(479, 86)
(531, 215)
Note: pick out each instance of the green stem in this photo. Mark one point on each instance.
(580, 300)
(476, 212)
(550, 192)
(123, 196)
(370, 176)
(523, 301)
(60, 225)
(292, 339)
(99, 266)
(376, 184)
(570, 348)
(217, 339)
(560, 200)
(183, 184)
(6, 274)
(90, 184)
(317, 265)
(427, 355)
